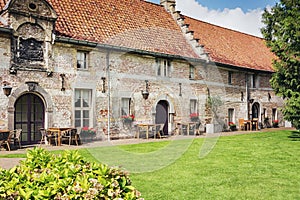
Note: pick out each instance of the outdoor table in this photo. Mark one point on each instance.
(187, 124)
(147, 129)
(58, 131)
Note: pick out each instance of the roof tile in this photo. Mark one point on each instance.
(232, 47)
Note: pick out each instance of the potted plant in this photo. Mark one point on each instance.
(87, 132)
(275, 123)
(127, 118)
(232, 126)
(194, 117)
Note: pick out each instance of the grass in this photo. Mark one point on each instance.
(253, 166)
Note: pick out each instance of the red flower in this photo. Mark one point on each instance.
(194, 115)
(131, 117)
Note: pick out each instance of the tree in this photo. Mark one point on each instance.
(282, 35)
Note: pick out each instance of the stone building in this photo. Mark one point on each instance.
(74, 63)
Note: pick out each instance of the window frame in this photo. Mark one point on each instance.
(231, 115)
(193, 106)
(83, 108)
(163, 67)
(84, 60)
(192, 70)
(230, 73)
(125, 100)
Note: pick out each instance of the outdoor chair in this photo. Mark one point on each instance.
(70, 135)
(7, 139)
(17, 138)
(47, 137)
(242, 125)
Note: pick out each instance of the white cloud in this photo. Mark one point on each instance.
(236, 19)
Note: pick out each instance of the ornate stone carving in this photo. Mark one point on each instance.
(33, 6)
(31, 31)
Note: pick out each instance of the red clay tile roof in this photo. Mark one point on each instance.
(146, 26)
(231, 47)
(133, 24)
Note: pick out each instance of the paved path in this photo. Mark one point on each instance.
(7, 163)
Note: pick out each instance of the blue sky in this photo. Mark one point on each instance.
(240, 15)
(245, 5)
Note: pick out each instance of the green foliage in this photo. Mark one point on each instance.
(282, 34)
(66, 176)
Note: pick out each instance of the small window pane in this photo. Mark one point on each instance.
(77, 114)
(86, 114)
(86, 122)
(77, 123)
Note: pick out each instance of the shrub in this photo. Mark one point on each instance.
(67, 176)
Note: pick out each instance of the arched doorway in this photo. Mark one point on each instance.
(162, 113)
(29, 115)
(255, 110)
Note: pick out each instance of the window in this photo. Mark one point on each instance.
(163, 67)
(253, 81)
(229, 78)
(274, 114)
(83, 99)
(193, 106)
(125, 107)
(81, 60)
(192, 72)
(231, 115)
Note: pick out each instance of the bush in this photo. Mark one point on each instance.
(67, 176)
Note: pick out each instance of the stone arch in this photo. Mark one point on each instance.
(28, 30)
(165, 98)
(43, 94)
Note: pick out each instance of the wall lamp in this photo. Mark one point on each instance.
(251, 100)
(6, 88)
(145, 93)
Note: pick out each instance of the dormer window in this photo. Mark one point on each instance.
(163, 67)
(82, 60)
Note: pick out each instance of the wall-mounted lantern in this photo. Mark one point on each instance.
(6, 88)
(145, 93)
(103, 84)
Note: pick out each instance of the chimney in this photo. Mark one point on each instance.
(169, 5)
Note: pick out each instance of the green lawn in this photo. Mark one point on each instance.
(253, 166)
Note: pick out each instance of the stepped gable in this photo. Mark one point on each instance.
(134, 24)
(231, 47)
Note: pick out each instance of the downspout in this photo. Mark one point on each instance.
(247, 96)
(108, 93)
